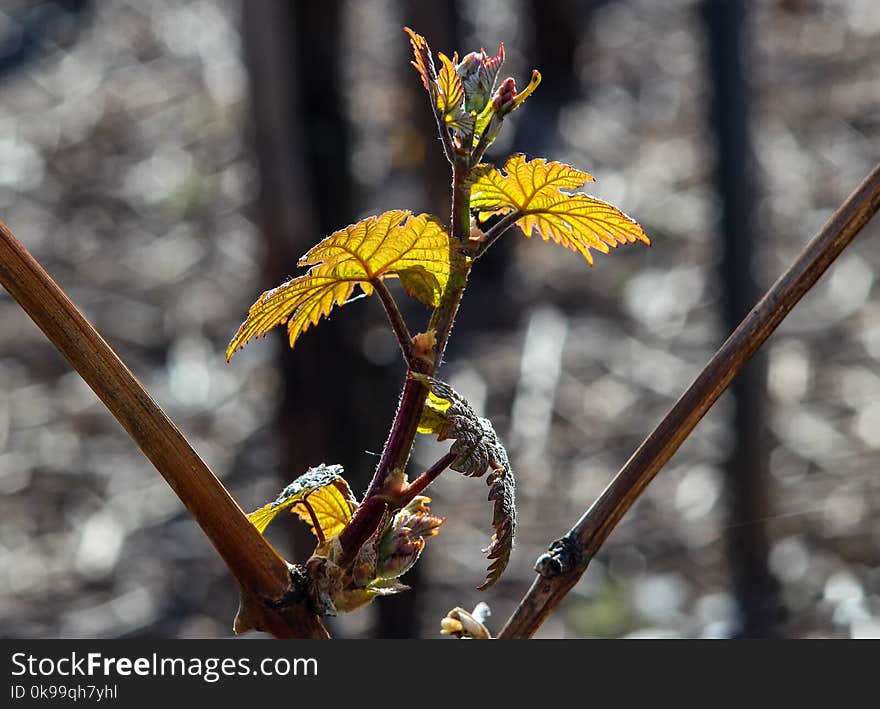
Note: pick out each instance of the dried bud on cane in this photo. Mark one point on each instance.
(466, 626)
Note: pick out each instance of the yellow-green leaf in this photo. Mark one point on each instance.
(533, 188)
(393, 244)
(434, 419)
(481, 122)
(450, 94)
(525, 183)
(332, 506)
(320, 496)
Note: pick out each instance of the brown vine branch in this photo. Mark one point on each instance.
(568, 558)
(271, 600)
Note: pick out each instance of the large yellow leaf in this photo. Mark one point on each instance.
(394, 244)
(320, 496)
(532, 188)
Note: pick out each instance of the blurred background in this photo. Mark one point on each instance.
(167, 161)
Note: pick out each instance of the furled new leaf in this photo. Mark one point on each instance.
(479, 72)
(521, 96)
(478, 450)
(504, 101)
(533, 189)
(414, 249)
(320, 496)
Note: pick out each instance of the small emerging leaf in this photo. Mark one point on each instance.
(483, 119)
(394, 244)
(505, 100)
(423, 62)
(518, 99)
(450, 97)
(478, 450)
(533, 189)
(324, 490)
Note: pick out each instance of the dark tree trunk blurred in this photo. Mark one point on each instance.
(35, 29)
(335, 404)
(553, 31)
(747, 478)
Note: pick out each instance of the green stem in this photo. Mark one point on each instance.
(443, 317)
(398, 447)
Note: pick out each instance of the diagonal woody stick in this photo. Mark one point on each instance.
(568, 558)
(270, 600)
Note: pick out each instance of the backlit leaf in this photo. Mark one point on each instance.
(423, 62)
(434, 419)
(533, 189)
(393, 244)
(321, 489)
(482, 122)
(332, 505)
(478, 450)
(450, 96)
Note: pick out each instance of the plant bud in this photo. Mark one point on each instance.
(463, 625)
(422, 525)
(505, 95)
(478, 72)
(468, 68)
(397, 553)
(400, 545)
